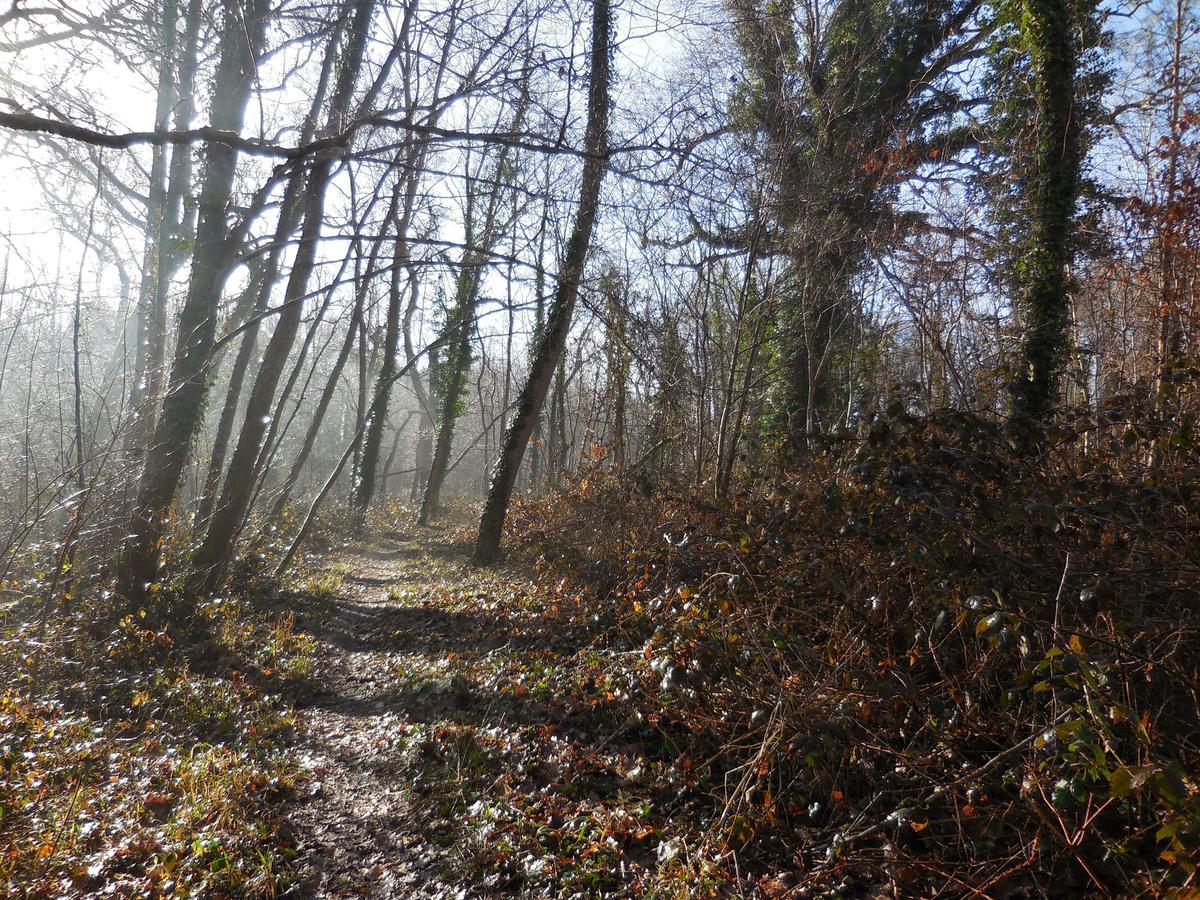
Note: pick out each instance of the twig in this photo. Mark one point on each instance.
(1062, 586)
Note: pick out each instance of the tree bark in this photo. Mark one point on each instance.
(1170, 331)
(550, 347)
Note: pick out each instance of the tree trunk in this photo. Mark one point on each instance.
(727, 449)
(364, 487)
(550, 347)
(391, 460)
(76, 334)
(422, 454)
(457, 362)
(169, 207)
(617, 360)
(259, 290)
(151, 329)
(253, 302)
(1043, 292)
(557, 462)
(213, 554)
(423, 450)
(182, 408)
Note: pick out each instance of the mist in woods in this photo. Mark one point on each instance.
(513, 447)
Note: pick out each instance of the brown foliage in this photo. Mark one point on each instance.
(925, 661)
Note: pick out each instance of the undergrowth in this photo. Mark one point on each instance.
(932, 662)
(941, 659)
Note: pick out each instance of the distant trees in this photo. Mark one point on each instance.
(1171, 211)
(616, 359)
(343, 252)
(401, 301)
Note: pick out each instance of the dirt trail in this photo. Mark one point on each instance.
(360, 829)
(455, 719)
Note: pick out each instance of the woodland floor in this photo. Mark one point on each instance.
(621, 713)
(443, 734)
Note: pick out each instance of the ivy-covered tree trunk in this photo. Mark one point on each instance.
(182, 409)
(481, 239)
(1043, 288)
(456, 365)
(551, 342)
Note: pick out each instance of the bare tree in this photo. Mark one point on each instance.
(210, 558)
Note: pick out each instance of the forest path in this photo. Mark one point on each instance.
(413, 709)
